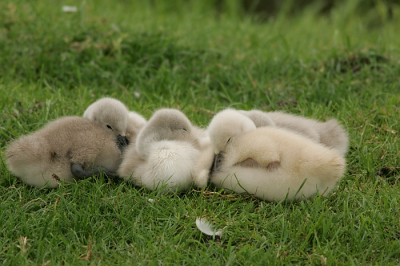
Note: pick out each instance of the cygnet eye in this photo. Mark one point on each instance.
(184, 129)
(229, 140)
(109, 127)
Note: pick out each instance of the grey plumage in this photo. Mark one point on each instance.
(165, 124)
(329, 133)
(49, 154)
(135, 123)
(110, 114)
(259, 118)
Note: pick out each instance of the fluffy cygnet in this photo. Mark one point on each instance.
(329, 133)
(65, 148)
(272, 164)
(225, 126)
(166, 150)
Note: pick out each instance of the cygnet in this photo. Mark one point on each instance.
(65, 148)
(275, 164)
(166, 150)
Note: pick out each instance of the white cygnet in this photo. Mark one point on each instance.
(275, 164)
(65, 148)
(165, 153)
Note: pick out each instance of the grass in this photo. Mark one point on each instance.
(187, 57)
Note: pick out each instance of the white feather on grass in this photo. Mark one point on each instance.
(69, 9)
(205, 227)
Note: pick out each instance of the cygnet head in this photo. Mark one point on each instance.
(109, 113)
(225, 126)
(170, 124)
(165, 124)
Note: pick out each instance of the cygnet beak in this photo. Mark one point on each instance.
(218, 160)
(122, 142)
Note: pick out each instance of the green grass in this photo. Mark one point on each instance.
(186, 56)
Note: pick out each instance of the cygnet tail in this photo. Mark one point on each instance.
(333, 135)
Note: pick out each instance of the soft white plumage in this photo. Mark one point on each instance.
(169, 166)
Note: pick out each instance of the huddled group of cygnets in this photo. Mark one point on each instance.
(271, 155)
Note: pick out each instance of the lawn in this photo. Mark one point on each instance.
(186, 55)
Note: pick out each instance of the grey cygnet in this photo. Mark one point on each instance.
(66, 148)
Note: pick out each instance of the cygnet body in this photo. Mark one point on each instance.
(329, 133)
(62, 146)
(272, 164)
(165, 152)
(168, 166)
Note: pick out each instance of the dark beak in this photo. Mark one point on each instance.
(218, 160)
(122, 142)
